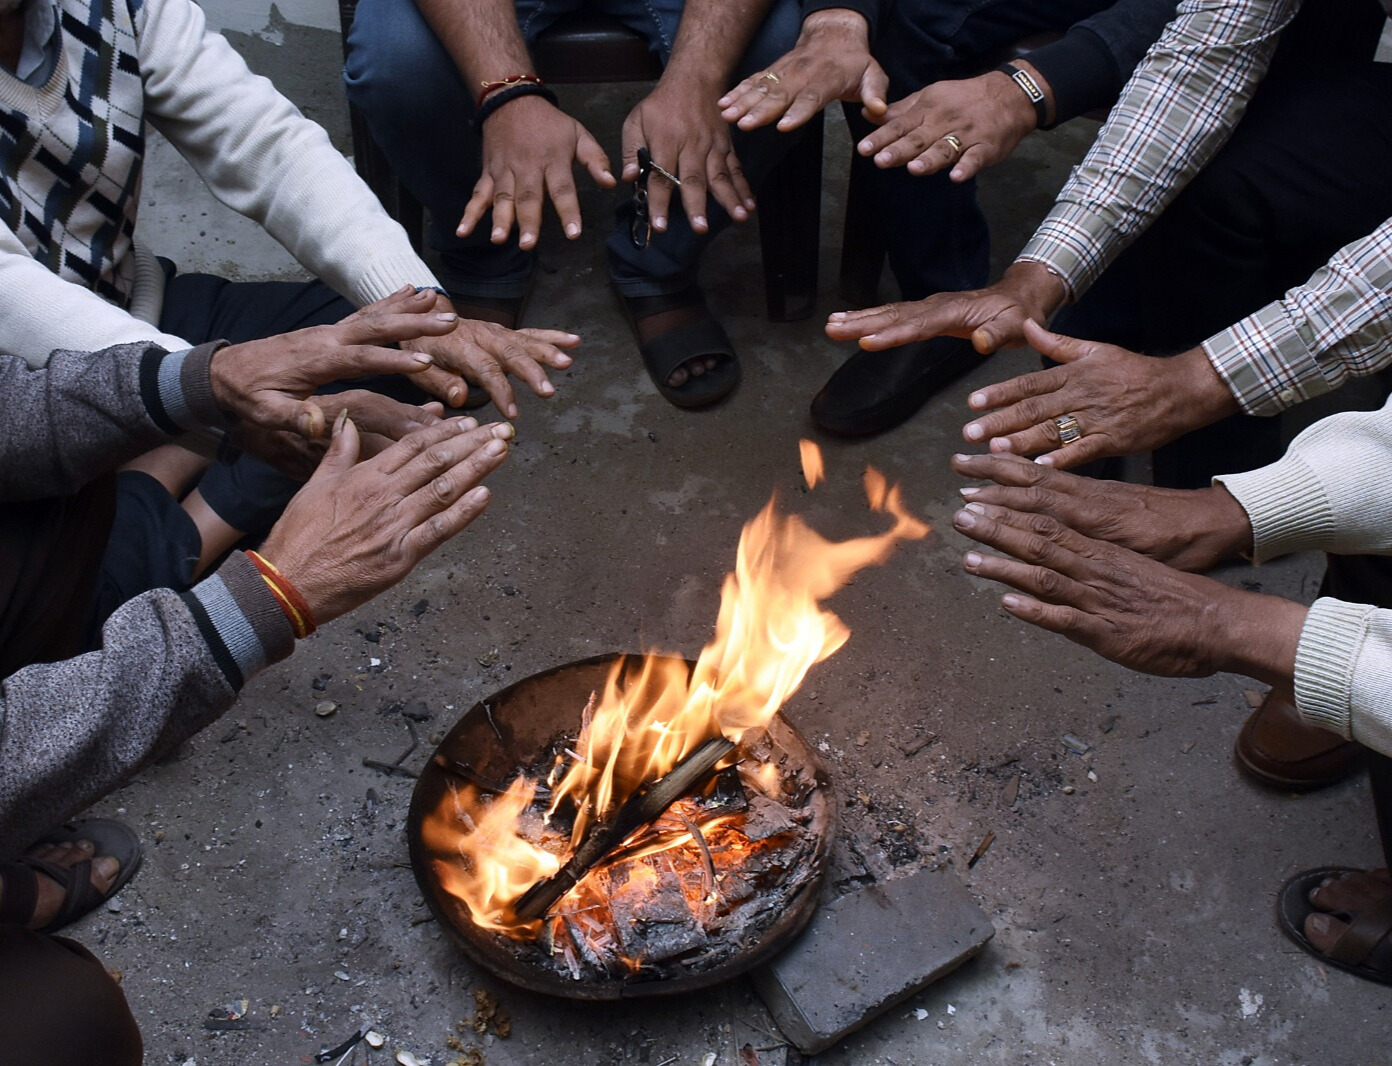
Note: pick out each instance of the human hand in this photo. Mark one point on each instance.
(484, 354)
(1123, 402)
(357, 528)
(529, 149)
(992, 317)
(679, 125)
(381, 422)
(1188, 529)
(831, 61)
(268, 383)
(1128, 608)
(988, 115)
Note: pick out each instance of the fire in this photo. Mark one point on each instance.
(769, 632)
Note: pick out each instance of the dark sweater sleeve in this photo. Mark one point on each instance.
(72, 731)
(86, 413)
(1087, 67)
(869, 8)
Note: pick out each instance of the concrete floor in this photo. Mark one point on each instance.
(1134, 914)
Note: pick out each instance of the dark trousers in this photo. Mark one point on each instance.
(59, 1006)
(1264, 215)
(935, 233)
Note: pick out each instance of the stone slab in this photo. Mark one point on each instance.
(867, 951)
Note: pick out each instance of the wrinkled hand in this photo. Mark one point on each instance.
(988, 114)
(1189, 530)
(357, 528)
(1128, 608)
(831, 61)
(529, 149)
(993, 317)
(485, 354)
(268, 383)
(1124, 403)
(683, 132)
(381, 422)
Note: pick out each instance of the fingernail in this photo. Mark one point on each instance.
(408, 287)
(972, 560)
(883, 157)
(498, 234)
(699, 221)
(468, 422)
(445, 316)
(1011, 600)
(340, 421)
(964, 519)
(573, 230)
(547, 389)
(563, 360)
(974, 431)
(863, 147)
(504, 430)
(527, 238)
(976, 399)
(304, 424)
(1044, 460)
(423, 358)
(968, 491)
(456, 397)
(975, 508)
(1000, 444)
(495, 447)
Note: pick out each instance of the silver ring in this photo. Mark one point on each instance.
(770, 75)
(1068, 429)
(955, 143)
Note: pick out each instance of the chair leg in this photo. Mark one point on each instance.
(790, 205)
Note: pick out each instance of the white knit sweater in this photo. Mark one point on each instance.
(251, 146)
(1332, 492)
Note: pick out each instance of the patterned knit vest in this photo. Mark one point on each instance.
(71, 151)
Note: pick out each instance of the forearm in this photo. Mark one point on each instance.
(867, 10)
(1311, 341)
(85, 413)
(711, 38)
(1343, 671)
(265, 160)
(481, 36)
(1176, 112)
(74, 730)
(1329, 492)
(42, 312)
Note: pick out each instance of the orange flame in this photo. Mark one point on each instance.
(770, 631)
(812, 470)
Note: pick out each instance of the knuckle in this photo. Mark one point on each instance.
(442, 488)
(1050, 582)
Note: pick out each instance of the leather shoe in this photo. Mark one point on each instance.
(1277, 748)
(875, 391)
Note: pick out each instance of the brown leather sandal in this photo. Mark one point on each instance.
(1357, 950)
(80, 896)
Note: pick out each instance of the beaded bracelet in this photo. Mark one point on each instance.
(287, 595)
(498, 99)
(503, 83)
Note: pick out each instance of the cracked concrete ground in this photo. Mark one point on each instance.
(1131, 887)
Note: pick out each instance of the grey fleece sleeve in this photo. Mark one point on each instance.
(86, 413)
(72, 731)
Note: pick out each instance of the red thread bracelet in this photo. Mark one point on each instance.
(287, 595)
(503, 83)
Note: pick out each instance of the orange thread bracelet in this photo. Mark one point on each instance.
(287, 595)
(503, 83)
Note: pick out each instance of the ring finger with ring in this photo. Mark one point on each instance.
(1068, 429)
(955, 143)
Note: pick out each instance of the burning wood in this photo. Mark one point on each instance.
(644, 806)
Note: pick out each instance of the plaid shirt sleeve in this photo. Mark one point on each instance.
(1174, 114)
(1336, 326)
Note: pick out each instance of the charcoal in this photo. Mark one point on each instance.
(651, 915)
(725, 794)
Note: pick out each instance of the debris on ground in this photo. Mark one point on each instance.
(1076, 746)
(982, 848)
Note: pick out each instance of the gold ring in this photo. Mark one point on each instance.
(771, 77)
(955, 143)
(1068, 430)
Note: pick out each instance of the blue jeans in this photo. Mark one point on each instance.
(418, 108)
(935, 233)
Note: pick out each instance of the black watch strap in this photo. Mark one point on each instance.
(1030, 87)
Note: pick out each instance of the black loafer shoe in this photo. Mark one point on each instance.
(876, 391)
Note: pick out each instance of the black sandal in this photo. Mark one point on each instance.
(665, 353)
(21, 881)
